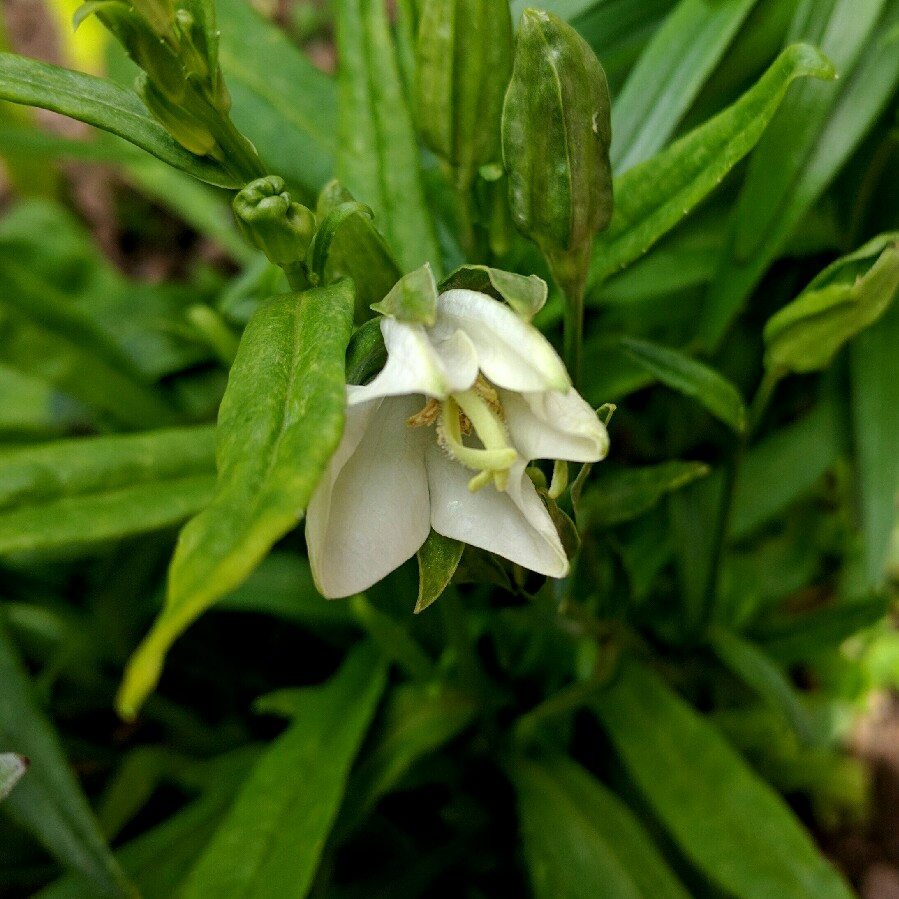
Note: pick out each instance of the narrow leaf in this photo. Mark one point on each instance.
(280, 420)
(285, 105)
(874, 371)
(378, 158)
(49, 802)
(722, 816)
(692, 378)
(581, 841)
(103, 104)
(272, 838)
(651, 198)
(864, 91)
(669, 74)
(618, 496)
(761, 674)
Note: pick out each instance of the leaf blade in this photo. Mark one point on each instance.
(281, 419)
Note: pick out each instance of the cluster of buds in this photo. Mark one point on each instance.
(175, 43)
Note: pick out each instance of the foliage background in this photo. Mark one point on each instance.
(494, 744)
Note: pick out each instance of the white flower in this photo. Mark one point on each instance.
(441, 439)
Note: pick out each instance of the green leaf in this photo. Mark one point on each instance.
(32, 407)
(12, 769)
(81, 491)
(874, 373)
(416, 722)
(669, 74)
(863, 92)
(272, 838)
(280, 420)
(722, 816)
(581, 841)
(691, 378)
(783, 467)
(378, 158)
(286, 106)
(651, 198)
(394, 639)
(49, 802)
(438, 558)
(412, 299)
(618, 496)
(806, 334)
(104, 105)
(761, 674)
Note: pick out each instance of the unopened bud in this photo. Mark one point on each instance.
(271, 221)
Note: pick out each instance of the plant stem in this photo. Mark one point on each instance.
(573, 324)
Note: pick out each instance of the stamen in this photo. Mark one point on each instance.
(494, 460)
(427, 415)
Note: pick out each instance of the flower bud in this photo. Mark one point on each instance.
(193, 134)
(271, 221)
(556, 133)
(463, 64)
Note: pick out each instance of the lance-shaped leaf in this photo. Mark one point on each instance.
(692, 378)
(843, 300)
(438, 559)
(727, 822)
(272, 838)
(581, 841)
(865, 89)
(81, 491)
(104, 105)
(378, 157)
(556, 134)
(463, 64)
(669, 74)
(280, 420)
(651, 198)
(49, 801)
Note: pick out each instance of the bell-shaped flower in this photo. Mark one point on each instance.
(441, 439)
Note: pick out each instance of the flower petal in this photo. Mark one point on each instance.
(553, 425)
(369, 513)
(413, 366)
(514, 524)
(511, 353)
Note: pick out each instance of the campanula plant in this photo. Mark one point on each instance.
(510, 510)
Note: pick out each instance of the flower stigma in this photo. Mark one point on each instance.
(480, 410)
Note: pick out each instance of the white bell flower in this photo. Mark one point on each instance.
(441, 439)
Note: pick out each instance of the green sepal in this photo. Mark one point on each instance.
(556, 132)
(412, 299)
(526, 294)
(438, 558)
(844, 299)
(366, 354)
(463, 64)
(272, 222)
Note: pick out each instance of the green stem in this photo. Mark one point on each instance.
(240, 155)
(573, 325)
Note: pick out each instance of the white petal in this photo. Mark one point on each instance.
(511, 353)
(413, 366)
(459, 359)
(553, 425)
(370, 512)
(514, 525)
